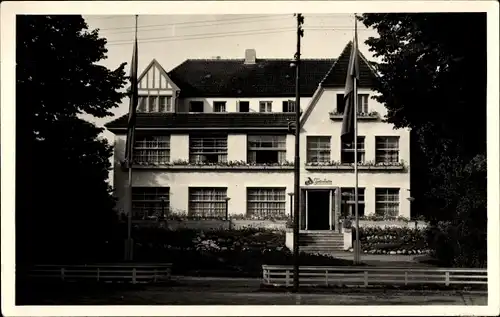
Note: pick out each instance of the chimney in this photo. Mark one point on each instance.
(250, 56)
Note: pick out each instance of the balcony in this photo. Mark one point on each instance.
(362, 166)
(374, 115)
(230, 165)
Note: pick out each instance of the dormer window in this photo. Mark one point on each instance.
(219, 106)
(289, 106)
(196, 106)
(362, 103)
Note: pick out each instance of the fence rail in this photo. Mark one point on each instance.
(131, 273)
(282, 275)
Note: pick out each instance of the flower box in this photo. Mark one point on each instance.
(336, 116)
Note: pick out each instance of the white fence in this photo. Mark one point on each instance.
(282, 275)
(131, 273)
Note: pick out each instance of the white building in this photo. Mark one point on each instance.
(217, 128)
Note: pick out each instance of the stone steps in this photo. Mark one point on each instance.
(321, 241)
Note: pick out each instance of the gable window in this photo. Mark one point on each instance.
(289, 106)
(150, 202)
(219, 106)
(208, 148)
(347, 151)
(362, 103)
(387, 202)
(348, 201)
(152, 149)
(266, 149)
(142, 104)
(266, 202)
(165, 104)
(386, 149)
(318, 149)
(152, 103)
(265, 106)
(244, 106)
(207, 202)
(196, 106)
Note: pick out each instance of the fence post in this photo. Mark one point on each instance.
(326, 277)
(406, 277)
(366, 278)
(154, 276)
(447, 278)
(98, 274)
(62, 273)
(287, 277)
(133, 276)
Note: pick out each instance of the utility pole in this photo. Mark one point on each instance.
(300, 34)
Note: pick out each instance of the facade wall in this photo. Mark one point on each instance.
(232, 103)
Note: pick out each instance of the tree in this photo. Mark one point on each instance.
(64, 206)
(433, 80)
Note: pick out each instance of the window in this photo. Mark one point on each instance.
(208, 148)
(265, 106)
(347, 151)
(318, 149)
(266, 202)
(152, 100)
(289, 106)
(219, 106)
(349, 200)
(362, 103)
(142, 104)
(207, 202)
(196, 106)
(165, 104)
(244, 106)
(387, 202)
(152, 149)
(386, 149)
(266, 149)
(147, 202)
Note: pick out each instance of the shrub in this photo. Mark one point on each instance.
(392, 240)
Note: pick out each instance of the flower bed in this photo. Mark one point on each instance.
(361, 165)
(393, 240)
(220, 252)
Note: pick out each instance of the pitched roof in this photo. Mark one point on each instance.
(234, 78)
(188, 121)
(336, 76)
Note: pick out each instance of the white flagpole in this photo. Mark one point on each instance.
(356, 214)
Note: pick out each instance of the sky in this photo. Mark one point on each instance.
(171, 39)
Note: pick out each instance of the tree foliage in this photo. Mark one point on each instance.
(433, 80)
(64, 205)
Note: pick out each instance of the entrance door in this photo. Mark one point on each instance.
(318, 209)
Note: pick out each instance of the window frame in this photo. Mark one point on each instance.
(198, 151)
(287, 105)
(278, 145)
(361, 151)
(196, 102)
(387, 149)
(245, 102)
(317, 150)
(362, 103)
(157, 144)
(265, 105)
(220, 103)
(266, 208)
(386, 191)
(216, 203)
(141, 207)
(352, 200)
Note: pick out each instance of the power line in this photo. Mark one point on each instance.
(225, 34)
(195, 26)
(198, 22)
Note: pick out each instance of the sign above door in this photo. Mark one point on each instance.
(317, 181)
